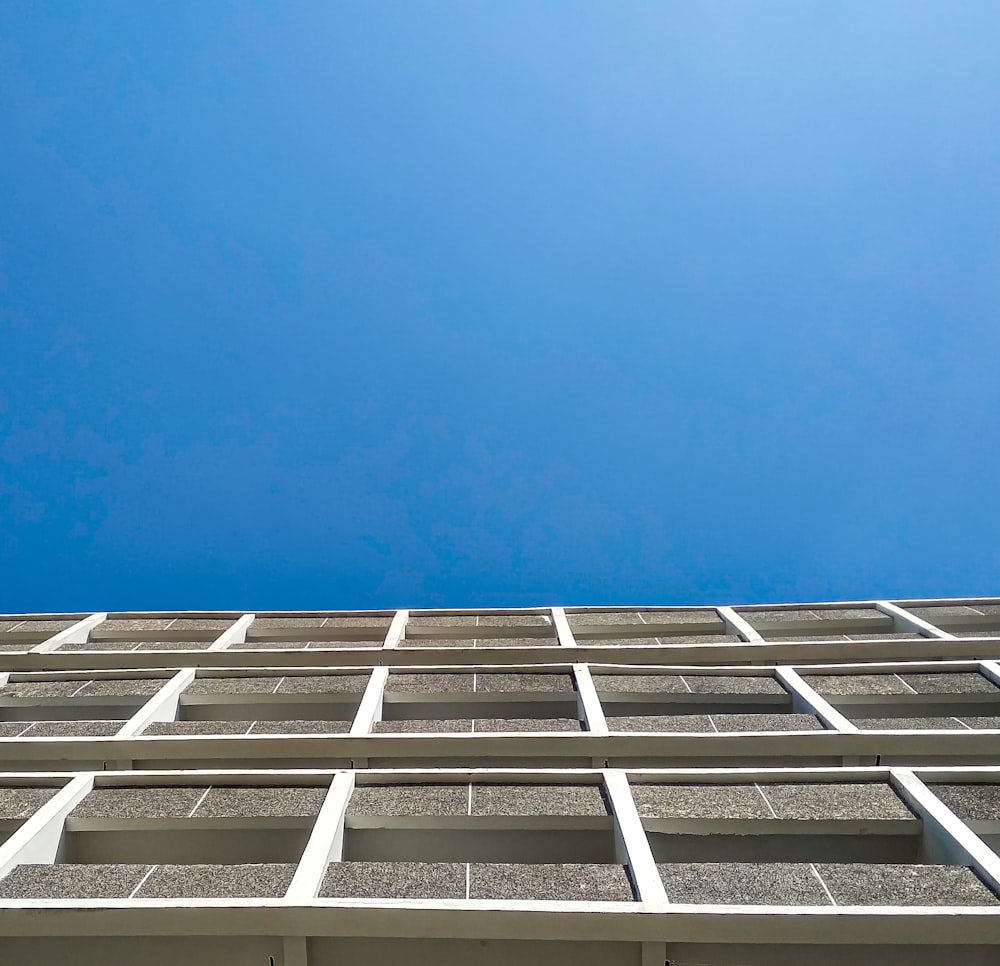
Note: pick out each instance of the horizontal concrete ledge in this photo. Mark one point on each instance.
(480, 919)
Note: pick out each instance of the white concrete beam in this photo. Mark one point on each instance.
(992, 670)
(805, 698)
(370, 709)
(77, 634)
(588, 700)
(326, 843)
(735, 624)
(162, 706)
(36, 842)
(920, 627)
(632, 839)
(946, 836)
(563, 632)
(397, 630)
(237, 634)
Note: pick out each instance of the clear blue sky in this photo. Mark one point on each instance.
(375, 304)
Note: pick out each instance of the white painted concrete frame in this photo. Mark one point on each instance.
(36, 842)
(736, 624)
(237, 634)
(326, 842)
(805, 698)
(397, 630)
(631, 840)
(162, 706)
(564, 633)
(946, 836)
(911, 622)
(77, 634)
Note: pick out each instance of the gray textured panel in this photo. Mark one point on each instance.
(174, 645)
(427, 683)
(202, 624)
(488, 799)
(324, 683)
(862, 884)
(378, 623)
(645, 683)
(134, 624)
(49, 627)
(113, 687)
(981, 721)
(225, 801)
(168, 801)
(423, 725)
(409, 800)
(732, 684)
(18, 803)
(856, 683)
(234, 685)
(73, 729)
(161, 728)
(742, 883)
(841, 800)
(524, 682)
(41, 689)
(459, 620)
(512, 620)
(251, 881)
(527, 724)
(257, 645)
(518, 642)
(301, 727)
(437, 642)
(699, 801)
(576, 882)
(396, 880)
(766, 722)
(72, 881)
(954, 683)
(11, 729)
(684, 723)
(909, 724)
(971, 801)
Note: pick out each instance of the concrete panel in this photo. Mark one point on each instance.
(324, 683)
(19, 803)
(41, 689)
(72, 881)
(225, 801)
(526, 724)
(300, 727)
(699, 801)
(234, 685)
(861, 884)
(247, 881)
(952, 683)
(742, 883)
(168, 801)
(766, 722)
(732, 684)
(856, 683)
(644, 683)
(909, 724)
(973, 802)
(409, 800)
(489, 799)
(840, 800)
(523, 682)
(73, 729)
(198, 728)
(428, 683)
(569, 882)
(423, 726)
(398, 880)
(686, 723)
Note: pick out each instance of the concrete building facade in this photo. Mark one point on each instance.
(730, 786)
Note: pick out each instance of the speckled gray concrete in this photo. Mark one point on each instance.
(41, 689)
(742, 883)
(981, 721)
(134, 624)
(257, 881)
(755, 617)
(517, 642)
(366, 623)
(123, 646)
(13, 646)
(18, 803)
(488, 799)
(437, 642)
(409, 800)
(699, 801)
(512, 620)
(971, 801)
(942, 611)
(203, 624)
(227, 801)
(457, 620)
(569, 882)
(395, 880)
(423, 726)
(428, 683)
(73, 729)
(197, 728)
(856, 683)
(11, 729)
(840, 800)
(640, 683)
(9, 625)
(173, 645)
(324, 683)
(861, 884)
(680, 723)
(953, 683)
(909, 724)
(72, 881)
(168, 801)
(342, 645)
(113, 687)
(766, 722)
(526, 724)
(644, 617)
(732, 684)
(43, 626)
(234, 685)
(523, 682)
(325, 726)
(268, 645)
(636, 641)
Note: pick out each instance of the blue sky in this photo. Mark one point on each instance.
(444, 304)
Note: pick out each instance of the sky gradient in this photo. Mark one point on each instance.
(337, 305)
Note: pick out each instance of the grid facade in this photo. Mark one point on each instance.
(733, 786)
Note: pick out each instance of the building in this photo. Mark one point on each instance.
(794, 784)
